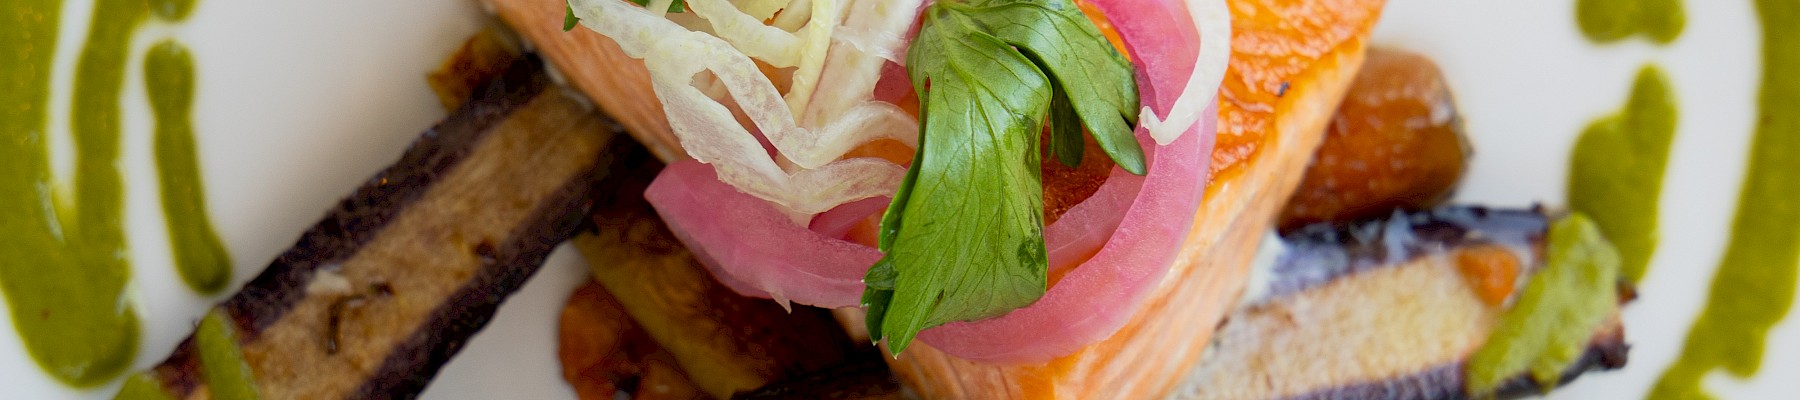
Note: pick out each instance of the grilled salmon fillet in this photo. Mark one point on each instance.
(1292, 61)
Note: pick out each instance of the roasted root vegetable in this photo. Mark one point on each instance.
(1396, 142)
(605, 354)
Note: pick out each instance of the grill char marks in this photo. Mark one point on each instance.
(377, 296)
(412, 363)
(1319, 253)
(361, 217)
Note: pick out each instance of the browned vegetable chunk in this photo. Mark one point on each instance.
(604, 353)
(1492, 271)
(480, 58)
(1395, 143)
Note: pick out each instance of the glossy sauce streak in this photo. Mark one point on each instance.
(1616, 172)
(199, 256)
(1612, 20)
(1754, 287)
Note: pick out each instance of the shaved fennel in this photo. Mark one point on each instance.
(1212, 19)
(816, 180)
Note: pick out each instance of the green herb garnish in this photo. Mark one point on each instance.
(569, 19)
(963, 238)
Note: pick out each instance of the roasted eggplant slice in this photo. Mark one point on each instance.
(377, 296)
(1384, 310)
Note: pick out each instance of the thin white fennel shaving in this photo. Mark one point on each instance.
(1212, 20)
(659, 7)
(760, 9)
(878, 28)
(772, 45)
(846, 111)
(816, 39)
(709, 133)
(796, 14)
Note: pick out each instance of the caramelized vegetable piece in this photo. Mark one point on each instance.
(605, 354)
(1395, 143)
(480, 58)
(1492, 271)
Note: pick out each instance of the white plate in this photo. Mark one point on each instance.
(298, 102)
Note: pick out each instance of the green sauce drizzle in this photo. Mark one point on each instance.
(1755, 284)
(66, 261)
(1550, 325)
(1616, 172)
(65, 270)
(222, 361)
(1605, 21)
(199, 256)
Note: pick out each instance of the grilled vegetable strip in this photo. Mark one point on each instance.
(389, 285)
(1387, 309)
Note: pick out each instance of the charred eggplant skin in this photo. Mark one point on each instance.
(1318, 253)
(1608, 352)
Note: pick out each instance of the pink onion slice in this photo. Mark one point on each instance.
(754, 248)
(1097, 298)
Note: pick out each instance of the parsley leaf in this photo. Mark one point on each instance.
(963, 238)
(569, 18)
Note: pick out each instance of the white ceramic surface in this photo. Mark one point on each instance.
(298, 102)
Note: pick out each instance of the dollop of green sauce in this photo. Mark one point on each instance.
(1554, 318)
(1754, 287)
(1616, 172)
(1606, 21)
(199, 256)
